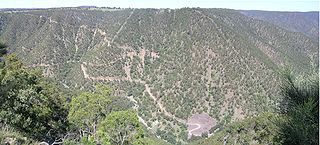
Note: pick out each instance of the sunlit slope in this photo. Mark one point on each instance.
(174, 63)
(303, 22)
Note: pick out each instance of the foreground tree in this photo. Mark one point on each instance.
(121, 127)
(301, 106)
(3, 49)
(88, 109)
(30, 104)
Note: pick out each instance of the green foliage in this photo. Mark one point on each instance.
(297, 125)
(193, 60)
(34, 108)
(3, 49)
(301, 105)
(154, 141)
(295, 21)
(89, 108)
(87, 140)
(121, 127)
(30, 104)
(261, 129)
(10, 135)
(84, 140)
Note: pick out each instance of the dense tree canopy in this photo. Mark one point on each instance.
(121, 127)
(296, 124)
(87, 109)
(261, 129)
(301, 105)
(31, 106)
(116, 124)
(29, 103)
(3, 49)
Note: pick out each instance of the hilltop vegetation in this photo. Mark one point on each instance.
(261, 129)
(303, 22)
(297, 121)
(169, 63)
(28, 103)
(32, 110)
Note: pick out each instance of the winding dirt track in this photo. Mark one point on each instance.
(199, 124)
(197, 128)
(136, 107)
(147, 88)
(128, 78)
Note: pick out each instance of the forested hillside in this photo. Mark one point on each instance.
(33, 110)
(303, 22)
(296, 121)
(169, 63)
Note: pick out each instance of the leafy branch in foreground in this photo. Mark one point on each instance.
(88, 109)
(3, 49)
(29, 103)
(121, 127)
(301, 106)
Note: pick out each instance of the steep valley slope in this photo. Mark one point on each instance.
(303, 22)
(171, 63)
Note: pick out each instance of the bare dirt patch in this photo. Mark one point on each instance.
(199, 124)
(238, 114)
